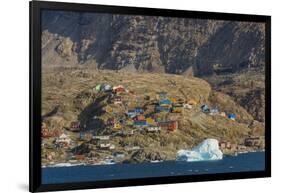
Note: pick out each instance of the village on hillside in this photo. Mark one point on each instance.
(92, 140)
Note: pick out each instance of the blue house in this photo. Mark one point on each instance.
(159, 108)
(231, 116)
(131, 113)
(140, 123)
(165, 102)
(139, 110)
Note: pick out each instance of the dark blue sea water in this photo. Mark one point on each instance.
(242, 162)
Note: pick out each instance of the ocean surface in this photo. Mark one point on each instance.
(242, 162)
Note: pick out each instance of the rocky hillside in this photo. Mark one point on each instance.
(154, 44)
(69, 95)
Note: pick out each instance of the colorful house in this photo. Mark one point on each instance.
(231, 116)
(169, 125)
(177, 109)
(173, 125)
(150, 121)
(117, 126)
(158, 108)
(107, 88)
(110, 122)
(139, 118)
(140, 123)
(75, 126)
(139, 110)
(98, 87)
(205, 108)
(192, 102)
(131, 113)
(119, 89)
(165, 103)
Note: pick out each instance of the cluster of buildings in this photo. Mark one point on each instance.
(250, 142)
(137, 118)
(214, 111)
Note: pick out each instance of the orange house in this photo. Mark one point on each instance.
(139, 118)
(169, 125)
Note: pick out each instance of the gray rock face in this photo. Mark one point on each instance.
(151, 44)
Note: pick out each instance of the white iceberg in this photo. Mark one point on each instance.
(207, 150)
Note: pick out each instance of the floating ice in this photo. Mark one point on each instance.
(207, 150)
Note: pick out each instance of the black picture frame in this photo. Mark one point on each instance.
(35, 8)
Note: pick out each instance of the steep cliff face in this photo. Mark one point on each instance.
(154, 44)
(236, 46)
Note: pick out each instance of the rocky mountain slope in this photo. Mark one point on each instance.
(154, 44)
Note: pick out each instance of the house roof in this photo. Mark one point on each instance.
(165, 101)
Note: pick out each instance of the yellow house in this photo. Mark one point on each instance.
(177, 109)
(117, 126)
(150, 121)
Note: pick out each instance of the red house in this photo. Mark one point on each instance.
(75, 126)
(119, 89)
(169, 125)
(173, 125)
